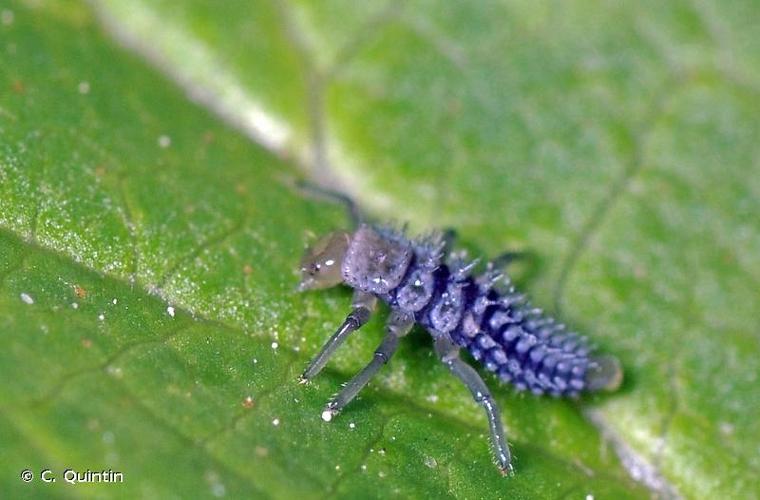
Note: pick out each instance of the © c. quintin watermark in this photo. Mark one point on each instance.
(72, 476)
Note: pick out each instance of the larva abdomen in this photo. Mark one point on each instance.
(520, 344)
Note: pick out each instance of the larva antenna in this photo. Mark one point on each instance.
(313, 190)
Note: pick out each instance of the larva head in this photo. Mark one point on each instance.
(321, 263)
(604, 373)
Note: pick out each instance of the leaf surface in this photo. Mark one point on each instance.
(567, 131)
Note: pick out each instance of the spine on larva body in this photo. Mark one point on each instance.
(494, 323)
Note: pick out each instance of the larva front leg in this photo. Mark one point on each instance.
(362, 306)
(399, 324)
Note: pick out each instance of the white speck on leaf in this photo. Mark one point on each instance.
(84, 87)
(101, 317)
(352, 425)
(26, 298)
(74, 305)
(276, 422)
(7, 17)
(218, 490)
(164, 141)
(170, 310)
(275, 345)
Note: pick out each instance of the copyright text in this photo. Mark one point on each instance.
(72, 476)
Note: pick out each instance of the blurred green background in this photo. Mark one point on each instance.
(149, 239)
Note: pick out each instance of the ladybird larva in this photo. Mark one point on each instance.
(482, 314)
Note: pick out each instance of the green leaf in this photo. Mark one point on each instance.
(526, 127)
(617, 142)
(148, 267)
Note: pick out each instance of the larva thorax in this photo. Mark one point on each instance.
(481, 314)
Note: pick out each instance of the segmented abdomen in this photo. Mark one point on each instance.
(502, 331)
(528, 349)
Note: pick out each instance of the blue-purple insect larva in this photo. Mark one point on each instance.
(495, 324)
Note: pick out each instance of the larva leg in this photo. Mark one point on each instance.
(449, 355)
(363, 304)
(506, 258)
(318, 191)
(398, 325)
(449, 237)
